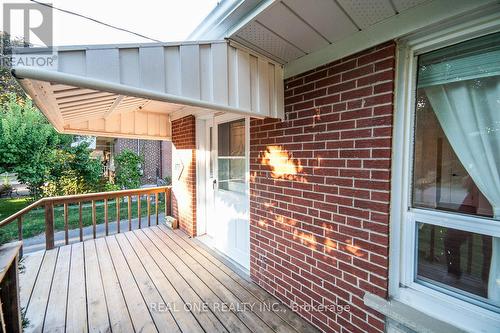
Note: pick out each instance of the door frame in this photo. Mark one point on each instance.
(202, 161)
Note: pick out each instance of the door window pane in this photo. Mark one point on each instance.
(231, 156)
(231, 138)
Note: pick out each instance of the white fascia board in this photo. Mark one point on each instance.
(396, 26)
(121, 89)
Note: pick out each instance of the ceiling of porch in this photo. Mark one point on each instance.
(289, 29)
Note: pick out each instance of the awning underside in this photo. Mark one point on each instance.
(136, 91)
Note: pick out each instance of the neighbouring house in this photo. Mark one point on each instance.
(345, 153)
(157, 157)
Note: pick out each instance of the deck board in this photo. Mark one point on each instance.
(119, 316)
(28, 277)
(97, 309)
(41, 291)
(54, 322)
(76, 312)
(148, 280)
(202, 254)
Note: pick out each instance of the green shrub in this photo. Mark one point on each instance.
(128, 169)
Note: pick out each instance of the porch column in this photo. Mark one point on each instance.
(184, 173)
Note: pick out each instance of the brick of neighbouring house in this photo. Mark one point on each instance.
(324, 211)
(184, 173)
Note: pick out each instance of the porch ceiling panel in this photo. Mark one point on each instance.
(289, 29)
(134, 90)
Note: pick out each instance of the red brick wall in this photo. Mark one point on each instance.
(149, 150)
(184, 188)
(320, 191)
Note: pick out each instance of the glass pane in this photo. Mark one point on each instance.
(439, 179)
(456, 260)
(457, 128)
(232, 174)
(231, 138)
(231, 159)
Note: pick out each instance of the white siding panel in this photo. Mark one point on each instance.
(263, 90)
(254, 83)
(279, 108)
(220, 73)
(103, 64)
(173, 70)
(272, 88)
(232, 77)
(130, 72)
(72, 62)
(151, 60)
(190, 70)
(243, 79)
(206, 72)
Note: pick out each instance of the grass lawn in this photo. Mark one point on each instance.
(34, 221)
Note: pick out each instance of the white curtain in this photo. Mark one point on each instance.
(469, 113)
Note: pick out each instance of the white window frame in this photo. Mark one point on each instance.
(402, 258)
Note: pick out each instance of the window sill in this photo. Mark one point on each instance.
(415, 315)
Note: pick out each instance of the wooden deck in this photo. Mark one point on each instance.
(148, 280)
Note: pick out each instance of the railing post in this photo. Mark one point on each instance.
(168, 202)
(20, 233)
(93, 219)
(118, 214)
(80, 222)
(49, 226)
(66, 227)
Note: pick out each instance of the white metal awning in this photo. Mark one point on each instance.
(135, 90)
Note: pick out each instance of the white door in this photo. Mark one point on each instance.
(229, 223)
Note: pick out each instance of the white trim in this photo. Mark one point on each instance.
(201, 146)
(402, 287)
(408, 21)
(22, 73)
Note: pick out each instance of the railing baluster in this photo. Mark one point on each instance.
(49, 226)
(93, 219)
(80, 222)
(139, 210)
(149, 209)
(156, 207)
(20, 233)
(118, 214)
(168, 207)
(129, 212)
(66, 228)
(106, 227)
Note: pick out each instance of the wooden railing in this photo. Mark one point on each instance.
(92, 198)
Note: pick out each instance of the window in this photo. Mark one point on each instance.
(455, 188)
(231, 156)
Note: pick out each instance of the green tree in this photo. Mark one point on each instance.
(73, 171)
(8, 84)
(27, 143)
(128, 169)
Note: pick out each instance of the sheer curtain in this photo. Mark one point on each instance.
(469, 114)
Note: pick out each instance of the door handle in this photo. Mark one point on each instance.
(214, 183)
